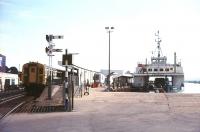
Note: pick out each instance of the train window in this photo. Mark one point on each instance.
(32, 69)
(25, 70)
(41, 71)
(149, 69)
(167, 69)
(171, 69)
(144, 69)
(161, 69)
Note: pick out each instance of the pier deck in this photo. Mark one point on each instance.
(116, 112)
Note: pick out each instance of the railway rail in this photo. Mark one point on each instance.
(10, 93)
(12, 104)
(7, 99)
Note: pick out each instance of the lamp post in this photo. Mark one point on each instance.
(109, 30)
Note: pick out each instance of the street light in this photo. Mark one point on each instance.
(109, 30)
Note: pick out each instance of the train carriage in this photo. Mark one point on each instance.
(33, 78)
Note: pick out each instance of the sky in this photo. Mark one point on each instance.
(25, 23)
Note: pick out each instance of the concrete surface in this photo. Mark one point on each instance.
(116, 112)
(56, 97)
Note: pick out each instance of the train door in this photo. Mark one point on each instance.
(32, 74)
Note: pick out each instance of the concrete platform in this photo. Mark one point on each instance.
(56, 99)
(116, 112)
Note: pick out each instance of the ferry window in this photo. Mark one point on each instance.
(171, 69)
(161, 69)
(32, 69)
(155, 69)
(167, 69)
(149, 69)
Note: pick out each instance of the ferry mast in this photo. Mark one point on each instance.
(157, 57)
(158, 40)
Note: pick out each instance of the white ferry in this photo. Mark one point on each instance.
(159, 75)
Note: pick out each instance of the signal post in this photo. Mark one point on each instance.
(49, 50)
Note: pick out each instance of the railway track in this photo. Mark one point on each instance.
(25, 105)
(6, 94)
(18, 102)
(7, 99)
(12, 104)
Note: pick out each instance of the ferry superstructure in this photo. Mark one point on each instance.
(159, 74)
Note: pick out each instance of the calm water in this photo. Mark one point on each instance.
(191, 88)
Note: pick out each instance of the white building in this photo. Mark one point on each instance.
(7, 80)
